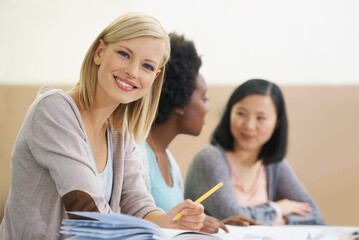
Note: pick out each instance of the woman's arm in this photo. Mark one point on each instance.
(142, 156)
(290, 188)
(135, 197)
(57, 141)
(209, 167)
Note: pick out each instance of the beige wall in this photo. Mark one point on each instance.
(323, 141)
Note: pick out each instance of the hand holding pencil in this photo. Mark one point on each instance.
(203, 197)
(192, 212)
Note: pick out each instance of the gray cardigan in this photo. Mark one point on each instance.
(210, 166)
(51, 172)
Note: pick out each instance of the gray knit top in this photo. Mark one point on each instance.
(210, 166)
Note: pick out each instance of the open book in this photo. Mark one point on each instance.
(121, 226)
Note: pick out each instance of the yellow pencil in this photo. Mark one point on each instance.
(203, 197)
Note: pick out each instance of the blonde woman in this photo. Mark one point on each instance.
(75, 150)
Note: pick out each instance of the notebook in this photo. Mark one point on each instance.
(120, 226)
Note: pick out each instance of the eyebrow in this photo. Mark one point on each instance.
(146, 60)
(257, 112)
(153, 61)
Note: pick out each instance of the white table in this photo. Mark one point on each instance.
(289, 233)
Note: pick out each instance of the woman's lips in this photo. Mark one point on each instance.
(247, 137)
(124, 84)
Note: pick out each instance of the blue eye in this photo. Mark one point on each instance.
(124, 54)
(148, 66)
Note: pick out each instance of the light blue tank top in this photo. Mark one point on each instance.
(165, 197)
(105, 178)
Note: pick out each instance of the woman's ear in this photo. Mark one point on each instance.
(179, 111)
(158, 73)
(97, 58)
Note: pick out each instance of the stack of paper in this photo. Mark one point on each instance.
(121, 226)
(110, 226)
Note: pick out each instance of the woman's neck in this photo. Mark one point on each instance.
(245, 166)
(243, 157)
(95, 118)
(162, 135)
(95, 122)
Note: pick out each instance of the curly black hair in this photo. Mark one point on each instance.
(180, 77)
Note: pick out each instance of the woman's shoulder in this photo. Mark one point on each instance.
(53, 105)
(208, 150)
(278, 167)
(51, 98)
(209, 154)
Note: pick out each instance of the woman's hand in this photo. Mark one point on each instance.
(281, 221)
(192, 219)
(293, 207)
(239, 221)
(212, 225)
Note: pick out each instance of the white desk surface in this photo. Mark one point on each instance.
(277, 233)
(289, 233)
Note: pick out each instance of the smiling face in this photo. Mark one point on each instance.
(127, 68)
(252, 122)
(192, 119)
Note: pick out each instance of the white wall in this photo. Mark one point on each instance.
(286, 41)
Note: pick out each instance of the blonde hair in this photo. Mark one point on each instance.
(138, 115)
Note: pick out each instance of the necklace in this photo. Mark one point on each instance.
(165, 170)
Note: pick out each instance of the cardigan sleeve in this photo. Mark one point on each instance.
(135, 198)
(290, 188)
(141, 154)
(210, 167)
(57, 141)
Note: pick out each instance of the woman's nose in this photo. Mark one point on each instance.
(250, 123)
(132, 70)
